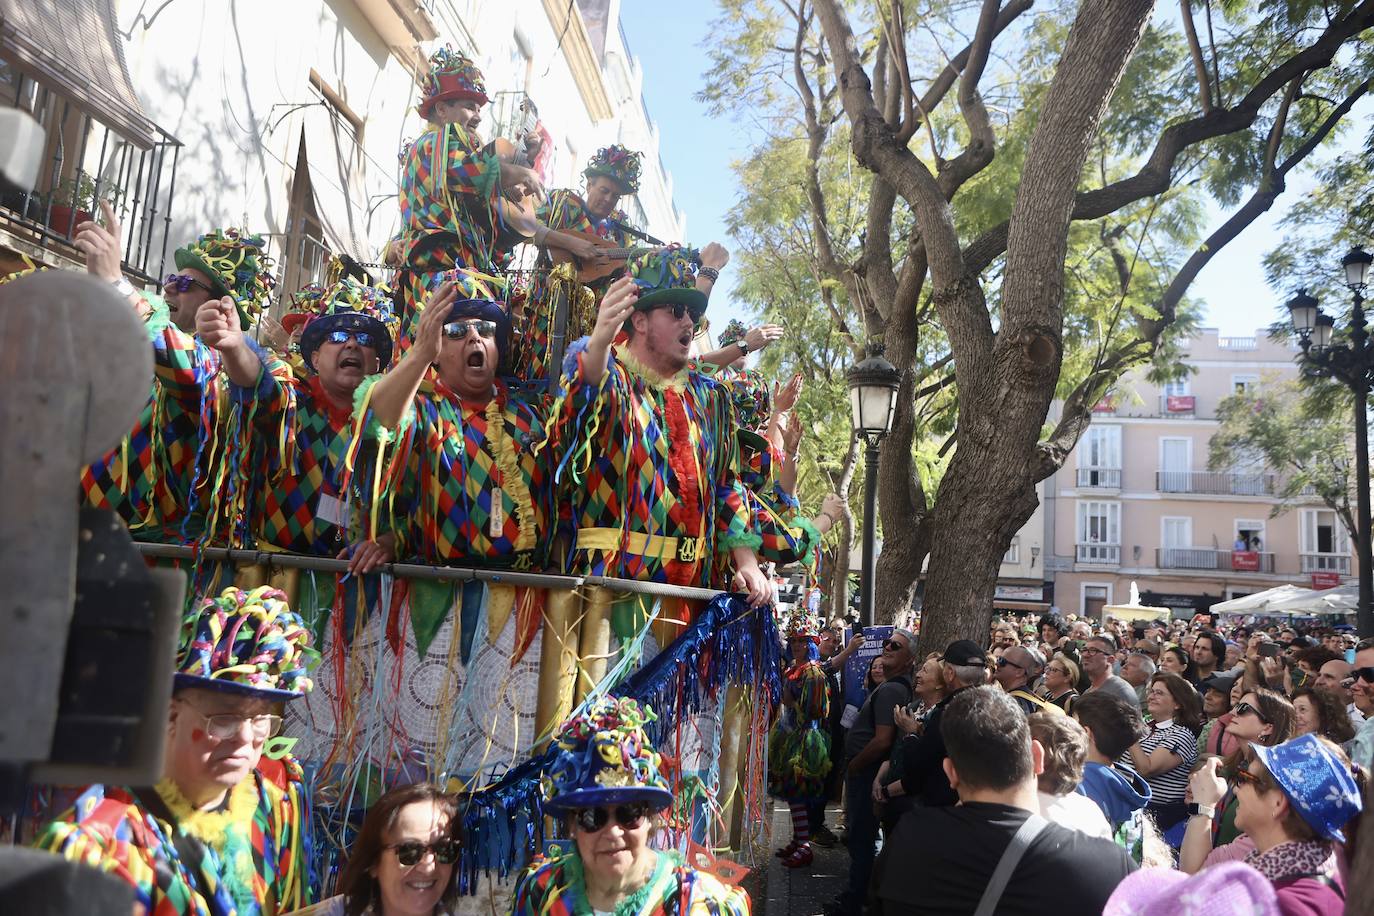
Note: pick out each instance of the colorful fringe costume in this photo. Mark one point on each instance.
(556, 887)
(256, 849)
(799, 746)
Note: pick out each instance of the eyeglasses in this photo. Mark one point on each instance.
(457, 330)
(894, 645)
(226, 725)
(1063, 671)
(409, 854)
(1245, 709)
(182, 283)
(591, 820)
(1089, 650)
(1363, 674)
(1004, 661)
(363, 338)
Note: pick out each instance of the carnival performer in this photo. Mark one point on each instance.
(226, 832)
(457, 194)
(294, 435)
(483, 495)
(652, 464)
(735, 344)
(605, 781)
(799, 747)
(150, 479)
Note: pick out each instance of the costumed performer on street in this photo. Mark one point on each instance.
(154, 480)
(605, 781)
(457, 193)
(799, 746)
(288, 457)
(227, 829)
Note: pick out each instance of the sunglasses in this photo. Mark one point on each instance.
(457, 330)
(1241, 775)
(1002, 662)
(677, 308)
(1245, 709)
(1363, 674)
(408, 854)
(894, 645)
(592, 820)
(363, 338)
(183, 283)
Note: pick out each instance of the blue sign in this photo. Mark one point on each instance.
(857, 665)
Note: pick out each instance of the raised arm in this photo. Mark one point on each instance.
(217, 324)
(395, 391)
(616, 307)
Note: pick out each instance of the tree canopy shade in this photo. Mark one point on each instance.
(1009, 195)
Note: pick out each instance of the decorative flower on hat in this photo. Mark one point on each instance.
(348, 305)
(452, 77)
(249, 643)
(603, 757)
(617, 163)
(667, 275)
(802, 625)
(237, 265)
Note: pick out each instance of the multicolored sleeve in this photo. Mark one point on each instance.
(466, 169)
(291, 823)
(389, 478)
(182, 367)
(581, 416)
(708, 896)
(538, 892)
(80, 838)
(787, 536)
(733, 525)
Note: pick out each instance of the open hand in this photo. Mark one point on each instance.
(616, 307)
(429, 333)
(100, 244)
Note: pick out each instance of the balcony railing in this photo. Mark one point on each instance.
(1326, 562)
(1106, 478)
(1100, 553)
(1207, 558)
(1216, 483)
(86, 162)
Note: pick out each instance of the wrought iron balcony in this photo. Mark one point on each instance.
(1108, 554)
(1210, 559)
(1326, 562)
(1216, 483)
(1104, 478)
(86, 162)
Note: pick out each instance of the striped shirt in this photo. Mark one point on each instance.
(1169, 786)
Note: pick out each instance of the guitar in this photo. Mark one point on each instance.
(612, 258)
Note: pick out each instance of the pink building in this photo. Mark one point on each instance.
(1136, 500)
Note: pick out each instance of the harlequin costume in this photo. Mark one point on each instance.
(155, 479)
(799, 745)
(650, 464)
(450, 191)
(293, 472)
(481, 493)
(604, 759)
(252, 855)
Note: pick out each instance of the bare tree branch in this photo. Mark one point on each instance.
(1204, 83)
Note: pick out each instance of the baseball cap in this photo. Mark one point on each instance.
(1222, 683)
(965, 652)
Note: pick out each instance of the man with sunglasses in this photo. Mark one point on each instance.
(1016, 672)
(1361, 747)
(227, 828)
(482, 494)
(653, 471)
(298, 495)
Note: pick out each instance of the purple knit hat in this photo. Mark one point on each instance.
(1227, 889)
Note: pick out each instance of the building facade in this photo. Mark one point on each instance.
(286, 119)
(1136, 501)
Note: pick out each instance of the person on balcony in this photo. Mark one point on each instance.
(150, 479)
(227, 828)
(294, 492)
(457, 194)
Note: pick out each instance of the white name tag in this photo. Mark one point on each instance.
(333, 510)
(497, 526)
(851, 712)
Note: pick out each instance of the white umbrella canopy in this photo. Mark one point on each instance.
(1260, 602)
(1342, 600)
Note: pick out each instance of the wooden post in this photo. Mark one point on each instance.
(557, 660)
(594, 644)
(731, 739)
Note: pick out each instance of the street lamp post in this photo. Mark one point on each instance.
(1352, 364)
(873, 384)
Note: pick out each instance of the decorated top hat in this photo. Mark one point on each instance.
(753, 400)
(602, 757)
(617, 163)
(248, 644)
(451, 77)
(802, 624)
(734, 332)
(237, 265)
(480, 296)
(348, 305)
(666, 276)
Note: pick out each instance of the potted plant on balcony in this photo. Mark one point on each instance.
(74, 202)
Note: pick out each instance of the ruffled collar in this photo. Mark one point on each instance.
(633, 904)
(1294, 858)
(675, 382)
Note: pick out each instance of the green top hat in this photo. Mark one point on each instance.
(237, 265)
(668, 275)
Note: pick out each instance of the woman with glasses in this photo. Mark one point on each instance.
(1164, 756)
(1299, 806)
(1061, 677)
(402, 863)
(604, 781)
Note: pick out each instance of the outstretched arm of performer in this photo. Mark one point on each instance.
(749, 578)
(784, 399)
(101, 247)
(832, 507)
(756, 339)
(367, 556)
(615, 309)
(394, 392)
(217, 324)
(713, 258)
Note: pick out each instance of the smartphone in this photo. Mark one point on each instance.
(1270, 650)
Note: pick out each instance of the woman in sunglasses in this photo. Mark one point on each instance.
(402, 863)
(604, 781)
